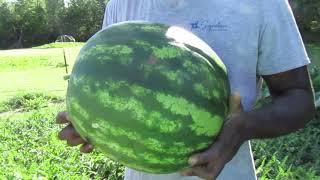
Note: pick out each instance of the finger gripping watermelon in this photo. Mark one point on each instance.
(148, 95)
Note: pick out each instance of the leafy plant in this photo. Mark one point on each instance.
(29, 101)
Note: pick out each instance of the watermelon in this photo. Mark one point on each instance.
(148, 95)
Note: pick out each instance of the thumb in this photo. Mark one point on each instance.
(235, 105)
(200, 158)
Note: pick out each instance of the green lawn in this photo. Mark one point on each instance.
(32, 92)
(34, 70)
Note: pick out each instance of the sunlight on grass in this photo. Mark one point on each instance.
(34, 70)
(59, 45)
(35, 58)
(46, 80)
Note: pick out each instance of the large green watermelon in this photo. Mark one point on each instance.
(148, 95)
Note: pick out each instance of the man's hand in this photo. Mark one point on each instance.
(210, 163)
(70, 135)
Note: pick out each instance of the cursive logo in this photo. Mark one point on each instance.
(205, 25)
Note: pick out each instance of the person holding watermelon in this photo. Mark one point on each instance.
(256, 40)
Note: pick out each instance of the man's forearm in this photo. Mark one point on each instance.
(287, 113)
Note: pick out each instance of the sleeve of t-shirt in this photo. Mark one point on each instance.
(109, 15)
(281, 47)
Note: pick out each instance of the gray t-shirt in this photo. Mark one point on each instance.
(252, 38)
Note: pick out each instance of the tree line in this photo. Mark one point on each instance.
(25, 23)
(307, 13)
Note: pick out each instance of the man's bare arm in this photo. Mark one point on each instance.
(291, 108)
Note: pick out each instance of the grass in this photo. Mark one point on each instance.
(23, 59)
(34, 70)
(29, 101)
(59, 45)
(314, 53)
(44, 80)
(33, 93)
(295, 156)
(30, 148)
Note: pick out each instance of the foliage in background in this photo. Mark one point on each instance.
(83, 18)
(307, 13)
(6, 25)
(55, 10)
(26, 23)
